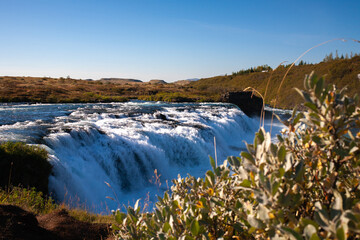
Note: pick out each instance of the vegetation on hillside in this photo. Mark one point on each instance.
(263, 68)
(304, 186)
(37, 203)
(340, 70)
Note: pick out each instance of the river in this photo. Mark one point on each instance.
(104, 155)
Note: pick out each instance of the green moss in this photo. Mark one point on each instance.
(24, 165)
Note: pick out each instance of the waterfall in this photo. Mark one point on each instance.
(105, 156)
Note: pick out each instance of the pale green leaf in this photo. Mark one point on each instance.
(247, 156)
(340, 233)
(212, 162)
(119, 217)
(319, 87)
(195, 227)
(281, 154)
(246, 183)
(166, 227)
(312, 106)
(315, 237)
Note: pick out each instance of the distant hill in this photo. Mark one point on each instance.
(182, 82)
(186, 81)
(157, 81)
(120, 80)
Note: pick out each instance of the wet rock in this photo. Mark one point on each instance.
(250, 104)
(161, 116)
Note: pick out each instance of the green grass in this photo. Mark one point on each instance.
(28, 199)
(24, 173)
(24, 165)
(86, 216)
(36, 202)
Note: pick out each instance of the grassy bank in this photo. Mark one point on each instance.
(24, 172)
(36, 202)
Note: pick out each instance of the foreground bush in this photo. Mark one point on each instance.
(24, 165)
(304, 186)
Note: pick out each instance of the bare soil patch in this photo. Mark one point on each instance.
(16, 223)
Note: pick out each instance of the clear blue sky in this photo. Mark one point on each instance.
(167, 39)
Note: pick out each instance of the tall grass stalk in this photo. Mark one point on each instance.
(294, 62)
(262, 114)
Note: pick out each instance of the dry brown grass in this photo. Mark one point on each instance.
(31, 89)
(343, 72)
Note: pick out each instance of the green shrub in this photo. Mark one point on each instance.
(304, 186)
(24, 165)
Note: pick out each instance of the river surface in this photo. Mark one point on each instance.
(104, 155)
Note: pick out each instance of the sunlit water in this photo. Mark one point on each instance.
(94, 146)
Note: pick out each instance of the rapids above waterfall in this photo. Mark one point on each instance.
(94, 146)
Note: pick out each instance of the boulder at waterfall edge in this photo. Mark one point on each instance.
(250, 104)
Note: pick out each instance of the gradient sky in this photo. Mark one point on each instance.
(167, 39)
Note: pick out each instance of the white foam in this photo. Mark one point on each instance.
(123, 143)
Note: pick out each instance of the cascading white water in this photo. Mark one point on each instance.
(94, 146)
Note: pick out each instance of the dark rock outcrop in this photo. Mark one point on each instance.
(250, 104)
(16, 223)
(161, 116)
